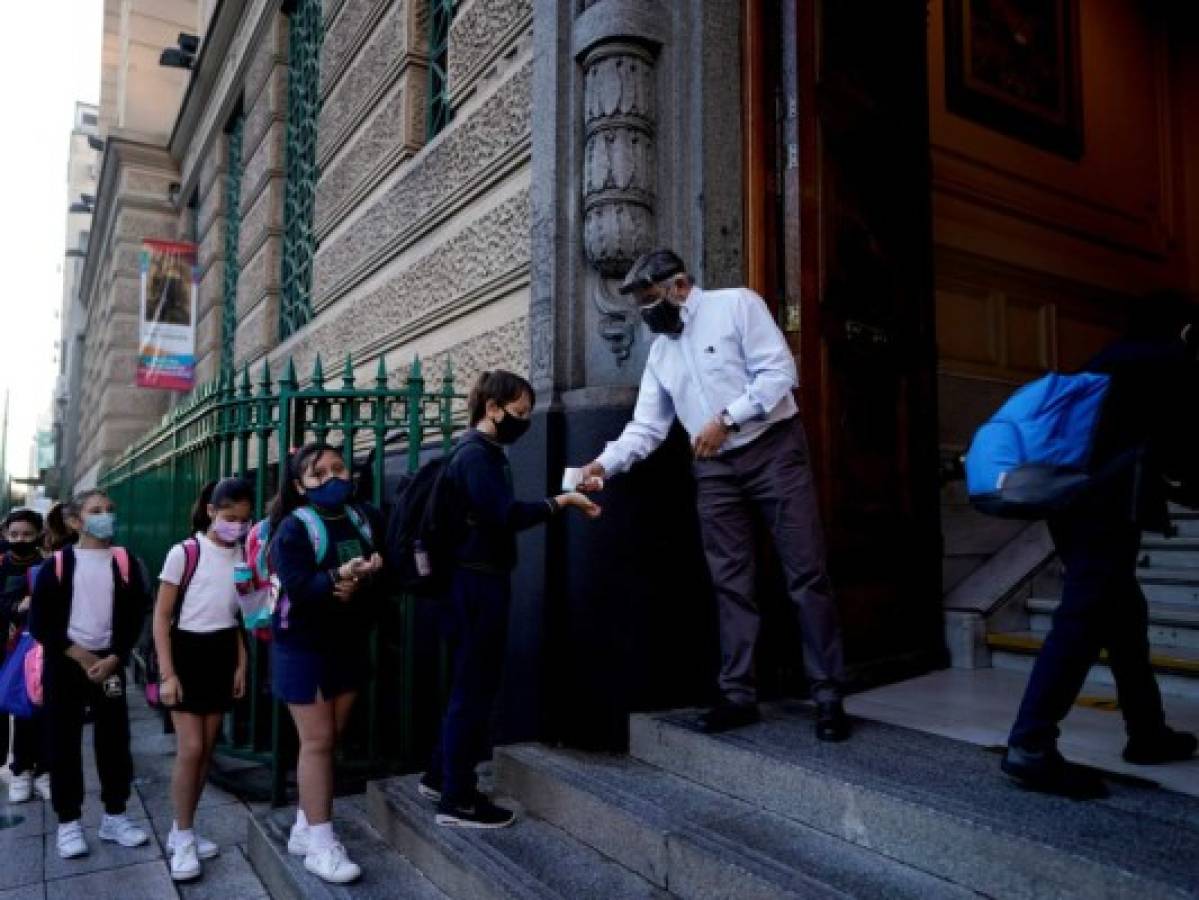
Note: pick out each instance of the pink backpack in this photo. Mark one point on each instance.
(35, 659)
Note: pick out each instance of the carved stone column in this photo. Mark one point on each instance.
(616, 44)
(619, 166)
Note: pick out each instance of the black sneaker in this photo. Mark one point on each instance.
(831, 722)
(477, 813)
(1166, 746)
(429, 787)
(1048, 772)
(726, 716)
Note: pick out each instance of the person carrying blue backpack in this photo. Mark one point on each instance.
(323, 553)
(1143, 453)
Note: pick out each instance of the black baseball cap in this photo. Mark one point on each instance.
(650, 268)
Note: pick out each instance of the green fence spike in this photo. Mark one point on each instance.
(414, 372)
(289, 380)
(347, 374)
(318, 374)
(264, 383)
(247, 387)
(381, 373)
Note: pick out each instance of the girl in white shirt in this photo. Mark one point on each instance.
(201, 652)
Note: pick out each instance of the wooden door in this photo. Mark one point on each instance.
(840, 240)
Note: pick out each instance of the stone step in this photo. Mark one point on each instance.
(1170, 553)
(1162, 585)
(384, 872)
(531, 860)
(1170, 624)
(1176, 668)
(1187, 524)
(694, 841)
(940, 806)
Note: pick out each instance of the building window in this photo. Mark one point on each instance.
(441, 15)
(303, 108)
(90, 119)
(233, 180)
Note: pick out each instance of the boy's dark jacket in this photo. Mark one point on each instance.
(50, 611)
(1153, 407)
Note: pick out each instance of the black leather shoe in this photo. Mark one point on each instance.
(727, 716)
(1166, 746)
(1048, 772)
(831, 722)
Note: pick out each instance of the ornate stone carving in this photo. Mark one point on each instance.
(619, 165)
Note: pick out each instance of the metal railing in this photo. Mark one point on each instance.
(247, 429)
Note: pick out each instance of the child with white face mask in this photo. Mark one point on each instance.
(201, 651)
(87, 609)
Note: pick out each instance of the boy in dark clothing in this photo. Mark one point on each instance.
(476, 610)
(1148, 420)
(30, 764)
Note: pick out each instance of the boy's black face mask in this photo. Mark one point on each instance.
(23, 549)
(511, 429)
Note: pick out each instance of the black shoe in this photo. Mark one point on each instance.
(727, 716)
(1166, 746)
(1048, 772)
(429, 787)
(476, 813)
(831, 722)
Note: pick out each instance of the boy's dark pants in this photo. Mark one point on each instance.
(68, 693)
(476, 628)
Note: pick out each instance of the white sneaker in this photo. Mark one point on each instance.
(297, 841)
(205, 849)
(121, 831)
(41, 784)
(185, 864)
(70, 840)
(20, 789)
(332, 864)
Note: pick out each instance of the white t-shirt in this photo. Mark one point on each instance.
(210, 603)
(92, 599)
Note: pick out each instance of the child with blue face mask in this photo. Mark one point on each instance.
(87, 609)
(324, 556)
(201, 651)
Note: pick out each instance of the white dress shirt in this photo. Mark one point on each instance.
(731, 356)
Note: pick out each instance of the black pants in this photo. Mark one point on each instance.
(30, 744)
(1102, 607)
(771, 479)
(68, 693)
(475, 622)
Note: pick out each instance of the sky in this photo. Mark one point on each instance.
(49, 58)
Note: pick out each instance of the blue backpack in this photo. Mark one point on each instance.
(1033, 457)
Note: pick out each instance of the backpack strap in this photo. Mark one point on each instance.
(260, 537)
(121, 557)
(58, 565)
(361, 522)
(191, 562)
(317, 533)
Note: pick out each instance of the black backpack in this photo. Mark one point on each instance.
(426, 519)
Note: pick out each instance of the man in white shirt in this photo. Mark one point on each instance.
(721, 365)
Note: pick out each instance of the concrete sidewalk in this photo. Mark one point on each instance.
(32, 870)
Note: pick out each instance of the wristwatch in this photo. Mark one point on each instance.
(728, 422)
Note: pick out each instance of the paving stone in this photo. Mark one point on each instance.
(32, 816)
(229, 875)
(28, 892)
(148, 881)
(158, 802)
(23, 862)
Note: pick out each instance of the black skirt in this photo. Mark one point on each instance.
(205, 663)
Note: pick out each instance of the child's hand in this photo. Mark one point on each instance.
(363, 568)
(581, 502)
(103, 669)
(170, 691)
(23, 606)
(239, 683)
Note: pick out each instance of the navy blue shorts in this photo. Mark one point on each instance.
(299, 674)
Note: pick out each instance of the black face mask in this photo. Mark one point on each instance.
(23, 549)
(663, 317)
(511, 429)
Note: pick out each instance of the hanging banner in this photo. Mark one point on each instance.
(170, 289)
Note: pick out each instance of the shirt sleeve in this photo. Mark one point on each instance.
(652, 417)
(172, 568)
(768, 361)
(293, 558)
(489, 496)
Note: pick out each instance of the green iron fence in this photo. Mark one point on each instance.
(246, 429)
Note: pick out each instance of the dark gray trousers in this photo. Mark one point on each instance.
(770, 478)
